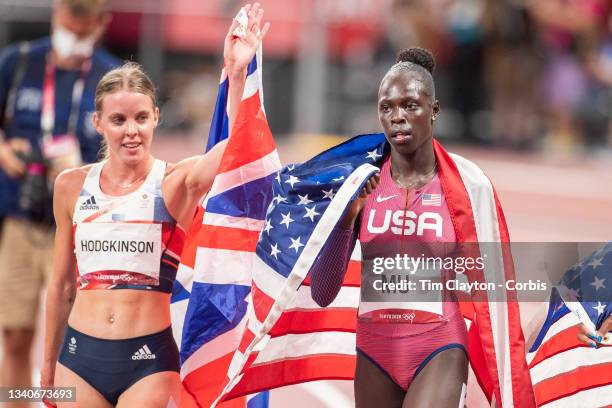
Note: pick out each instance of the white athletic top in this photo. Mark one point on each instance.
(128, 241)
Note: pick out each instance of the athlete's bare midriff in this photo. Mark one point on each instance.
(120, 314)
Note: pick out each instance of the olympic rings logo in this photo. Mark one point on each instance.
(408, 316)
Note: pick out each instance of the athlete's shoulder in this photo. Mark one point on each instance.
(173, 176)
(170, 167)
(465, 163)
(71, 180)
(470, 172)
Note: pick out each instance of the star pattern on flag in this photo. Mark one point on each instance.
(329, 193)
(311, 213)
(270, 207)
(586, 281)
(277, 178)
(295, 244)
(287, 219)
(374, 155)
(598, 283)
(595, 262)
(301, 199)
(267, 227)
(292, 180)
(279, 199)
(275, 251)
(304, 200)
(600, 308)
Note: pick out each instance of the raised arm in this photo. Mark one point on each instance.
(238, 52)
(190, 179)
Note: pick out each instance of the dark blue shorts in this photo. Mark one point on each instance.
(112, 366)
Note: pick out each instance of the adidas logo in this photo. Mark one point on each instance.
(90, 204)
(143, 354)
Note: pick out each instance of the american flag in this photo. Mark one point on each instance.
(208, 303)
(564, 371)
(431, 199)
(284, 331)
(288, 337)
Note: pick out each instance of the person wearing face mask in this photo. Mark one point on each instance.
(47, 91)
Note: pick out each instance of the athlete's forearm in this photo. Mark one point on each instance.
(237, 81)
(60, 298)
(330, 267)
(198, 173)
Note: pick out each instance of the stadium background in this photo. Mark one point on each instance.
(525, 89)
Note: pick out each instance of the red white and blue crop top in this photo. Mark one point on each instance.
(129, 241)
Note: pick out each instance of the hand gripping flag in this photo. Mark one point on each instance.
(566, 372)
(287, 337)
(208, 300)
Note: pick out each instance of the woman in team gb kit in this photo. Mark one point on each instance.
(120, 224)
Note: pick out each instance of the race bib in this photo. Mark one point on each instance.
(402, 298)
(119, 253)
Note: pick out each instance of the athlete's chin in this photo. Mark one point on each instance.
(133, 157)
(404, 147)
(407, 145)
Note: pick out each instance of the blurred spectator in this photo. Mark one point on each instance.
(515, 73)
(190, 100)
(46, 100)
(511, 73)
(422, 22)
(596, 112)
(568, 32)
(464, 20)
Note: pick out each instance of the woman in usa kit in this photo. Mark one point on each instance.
(120, 225)
(408, 354)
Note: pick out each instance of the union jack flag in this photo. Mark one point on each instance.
(564, 371)
(208, 303)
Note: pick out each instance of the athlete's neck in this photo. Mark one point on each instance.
(120, 173)
(415, 168)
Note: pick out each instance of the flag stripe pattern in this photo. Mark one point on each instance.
(497, 321)
(565, 372)
(208, 304)
(291, 240)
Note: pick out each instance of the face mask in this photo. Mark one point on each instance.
(66, 44)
